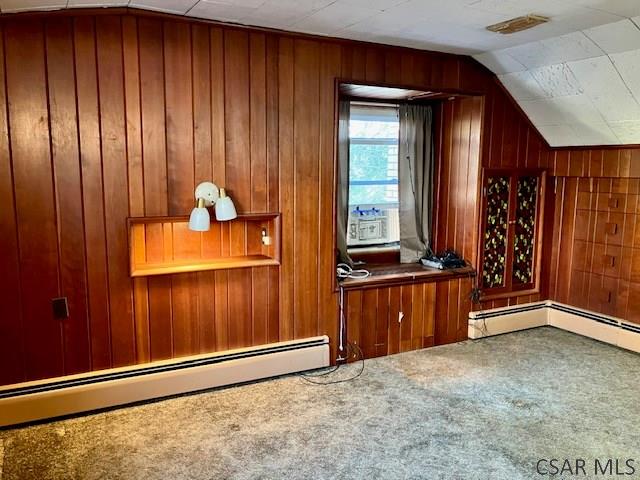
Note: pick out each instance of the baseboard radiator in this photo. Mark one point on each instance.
(58, 397)
(577, 320)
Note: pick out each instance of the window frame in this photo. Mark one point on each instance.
(508, 289)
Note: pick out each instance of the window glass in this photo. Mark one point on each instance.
(373, 175)
(373, 156)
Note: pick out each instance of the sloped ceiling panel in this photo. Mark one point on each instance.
(582, 88)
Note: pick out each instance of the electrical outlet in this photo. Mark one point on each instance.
(60, 307)
(266, 239)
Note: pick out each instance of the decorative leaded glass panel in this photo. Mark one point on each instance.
(524, 238)
(495, 235)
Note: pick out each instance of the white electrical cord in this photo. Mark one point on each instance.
(345, 271)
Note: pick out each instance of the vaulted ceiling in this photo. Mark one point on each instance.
(581, 88)
(576, 77)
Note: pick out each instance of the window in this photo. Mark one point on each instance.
(511, 230)
(373, 176)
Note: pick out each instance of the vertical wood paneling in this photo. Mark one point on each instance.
(92, 191)
(201, 100)
(287, 206)
(181, 162)
(154, 158)
(368, 328)
(11, 326)
(330, 56)
(258, 318)
(116, 205)
(306, 178)
(179, 116)
(153, 116)
(457, 212)
(237, 117)
(391, 319)
(34, 195)
(66, 169)
(115, 116)
(136, 173)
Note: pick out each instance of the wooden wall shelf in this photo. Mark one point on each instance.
(165, 245)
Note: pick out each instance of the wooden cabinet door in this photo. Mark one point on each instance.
(511, 231)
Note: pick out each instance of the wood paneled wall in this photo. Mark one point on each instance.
(388, 320)
(106, 115)
(456, 215)
(111, 114)
(596, 232)
(511, 141)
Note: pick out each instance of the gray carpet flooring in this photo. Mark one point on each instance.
(474, 410)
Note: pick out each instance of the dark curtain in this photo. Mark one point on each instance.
(415, 177)
(343, 181)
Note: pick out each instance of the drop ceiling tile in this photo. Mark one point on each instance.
(602, 83)
(96, 3)
(622, 8)
(628, 66)
(500, 62)
(577, 109)
(515, 8)
(270, 14)
(559, 135)
(333, 18)
(616, 37)
(572, 46)
(595, 134)
(7, 6)
(170, 6)
(219, 11)
(577, 21)
(564, 48)
(555, 8)
(309, 5)
(531, 55)
(506, 7)
(522, 86)
(543, 112)
(379, 5)
(556, 80)
(627, 132)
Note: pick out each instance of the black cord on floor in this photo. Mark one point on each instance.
(352, 349)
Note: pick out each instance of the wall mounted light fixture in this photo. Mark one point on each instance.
(207, 194)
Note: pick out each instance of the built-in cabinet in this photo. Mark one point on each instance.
(512, 221)
(406, 307)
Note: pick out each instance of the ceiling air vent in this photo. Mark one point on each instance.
(518, 24)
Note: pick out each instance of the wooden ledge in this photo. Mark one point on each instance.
(402, 274)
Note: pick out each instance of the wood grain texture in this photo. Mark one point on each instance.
(126, 113)
(596, 256)
(458, 145)
(388, 320)
(35, 196)
(66, 170)
(105, 116)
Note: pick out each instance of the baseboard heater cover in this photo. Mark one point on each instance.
(566, 317)
(507, 319)
(33, 401)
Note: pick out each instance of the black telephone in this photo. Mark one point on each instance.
(444, 260)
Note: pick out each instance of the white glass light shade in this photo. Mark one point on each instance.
(225, 209)
(199, 220)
